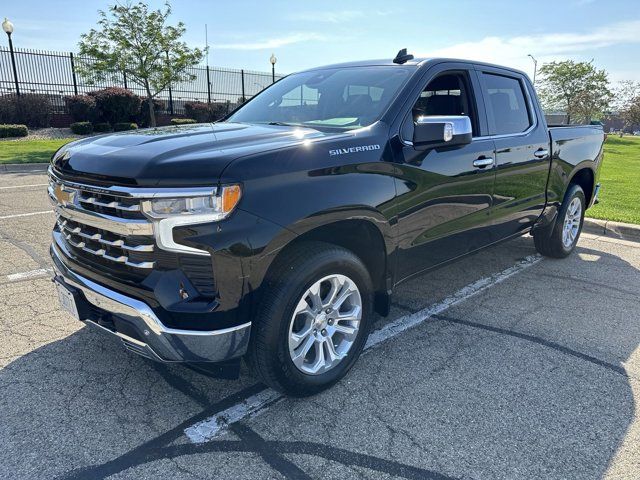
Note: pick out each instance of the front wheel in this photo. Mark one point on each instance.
(313, 320)
(566, 231)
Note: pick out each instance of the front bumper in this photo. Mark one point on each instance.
(135, 323)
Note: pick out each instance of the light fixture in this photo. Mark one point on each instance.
(7, 26)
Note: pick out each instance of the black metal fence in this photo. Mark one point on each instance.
(57, 75)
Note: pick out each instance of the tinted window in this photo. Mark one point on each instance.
(337, 98)
(508, 112)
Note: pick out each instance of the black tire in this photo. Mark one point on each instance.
(549, 243)
(268, 354)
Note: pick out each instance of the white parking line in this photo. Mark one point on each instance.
(30, 274)
(207, 429)
(25, 214)
(25, 186)
(214, 426)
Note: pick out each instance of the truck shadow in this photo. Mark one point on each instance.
(86, 409)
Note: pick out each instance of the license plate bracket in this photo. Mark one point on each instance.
(67, 299)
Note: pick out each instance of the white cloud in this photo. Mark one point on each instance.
(270, 43)
(545, 47)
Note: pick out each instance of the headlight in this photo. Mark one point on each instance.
(167, 213)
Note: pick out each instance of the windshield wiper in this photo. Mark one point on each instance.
(284, 124)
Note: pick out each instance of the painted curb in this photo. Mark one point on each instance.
(23, 167)
(609, 228)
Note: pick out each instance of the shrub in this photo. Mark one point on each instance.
(82, 108)
(82, 128)
(205, 112)
(143, 117)
(30, 109)
(101, 127)
(122, 126)
(7, 131)
(116, 105)
(182, 121)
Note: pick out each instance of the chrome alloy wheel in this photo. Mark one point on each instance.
(571, 224)
(325, 324)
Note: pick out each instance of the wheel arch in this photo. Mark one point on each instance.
(585, 177)
(358, 234)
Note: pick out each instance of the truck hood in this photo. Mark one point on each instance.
(186, 155)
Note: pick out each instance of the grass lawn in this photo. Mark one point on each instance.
(29, 151)
(620, 179)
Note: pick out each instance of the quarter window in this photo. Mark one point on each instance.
(507, 105)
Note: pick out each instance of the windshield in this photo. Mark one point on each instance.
(340, 98)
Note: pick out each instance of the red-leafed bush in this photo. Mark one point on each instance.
(205, 112)
(116, 105)
(30, 109)
(82, 108)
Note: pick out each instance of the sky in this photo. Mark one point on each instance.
(303, 34)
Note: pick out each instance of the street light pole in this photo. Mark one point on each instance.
(273, 61)
(7, 26)
(535, 68)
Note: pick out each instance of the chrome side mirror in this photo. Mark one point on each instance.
(441, 130)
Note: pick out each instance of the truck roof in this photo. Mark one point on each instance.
(415, 62)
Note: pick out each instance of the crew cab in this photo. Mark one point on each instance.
(276, 234)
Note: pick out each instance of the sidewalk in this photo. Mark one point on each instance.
(609, 228)
(23, 167)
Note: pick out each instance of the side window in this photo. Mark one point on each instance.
(507, 105)
(447, 94)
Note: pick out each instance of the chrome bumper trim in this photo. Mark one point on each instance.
(161, 343)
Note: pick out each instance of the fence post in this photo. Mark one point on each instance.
(170, 93)
(244, 99)
(170, 101)
(124, 77)
(208, 86)
(73, 74)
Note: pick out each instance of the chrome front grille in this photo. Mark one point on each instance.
(98, 201)
(103, 225)
(104, 229)
(104, 244)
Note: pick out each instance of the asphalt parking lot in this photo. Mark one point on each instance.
(503, 365)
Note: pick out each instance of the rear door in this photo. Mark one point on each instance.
(522, 150)
(444, 197)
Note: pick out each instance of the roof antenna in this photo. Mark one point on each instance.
(402, 57)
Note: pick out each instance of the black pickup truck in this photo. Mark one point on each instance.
(277, 233)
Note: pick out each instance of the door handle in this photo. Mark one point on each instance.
(483, 162)
(541, 153)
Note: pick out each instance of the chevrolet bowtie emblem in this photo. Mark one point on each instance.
(62, 195)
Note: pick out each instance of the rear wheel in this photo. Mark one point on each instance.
(313, 320)
(562, 239)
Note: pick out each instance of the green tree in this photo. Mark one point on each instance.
(626, 103)
(131, 39)
(577, 88)
(631, 113)
(624, 94)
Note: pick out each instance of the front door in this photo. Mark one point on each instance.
(444, 195)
